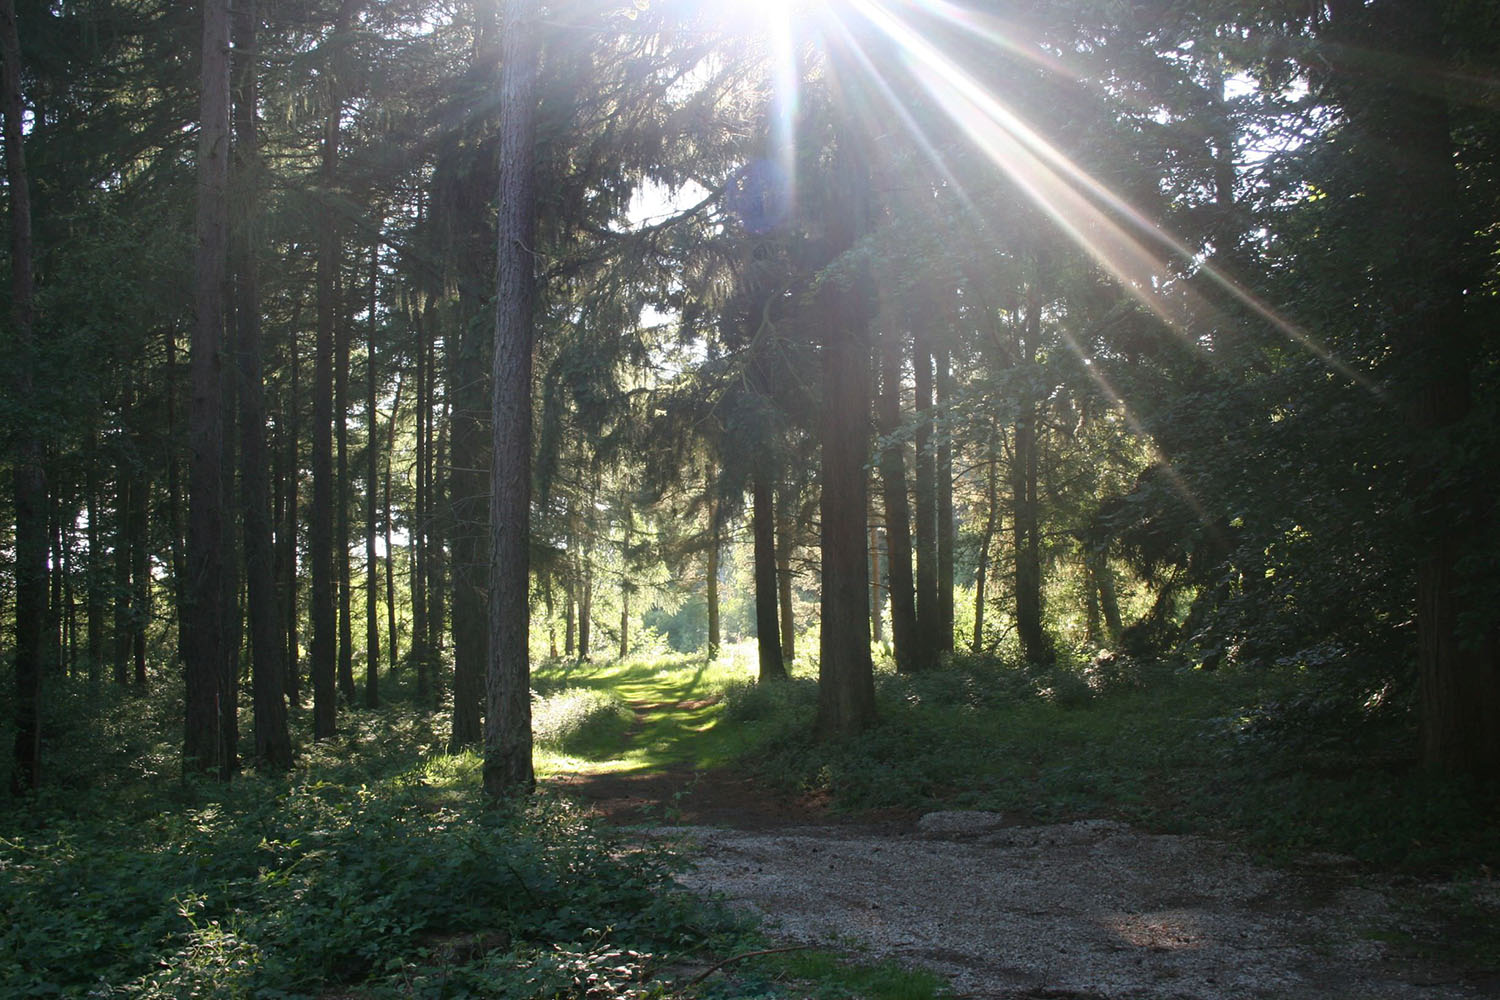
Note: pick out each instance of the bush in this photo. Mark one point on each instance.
(260, 891)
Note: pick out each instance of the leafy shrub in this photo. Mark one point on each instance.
(267, 893)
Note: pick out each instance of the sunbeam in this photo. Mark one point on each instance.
(1074, 199)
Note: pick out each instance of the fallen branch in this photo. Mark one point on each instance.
(743, 955)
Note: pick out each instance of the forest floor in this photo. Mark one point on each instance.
(1087, 910)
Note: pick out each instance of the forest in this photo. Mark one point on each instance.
(1066, 407)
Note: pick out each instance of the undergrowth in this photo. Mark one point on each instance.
(1260, 756)
(377, 865)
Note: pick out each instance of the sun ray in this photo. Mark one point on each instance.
(1072, 197)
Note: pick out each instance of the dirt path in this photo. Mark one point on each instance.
(1092, 910)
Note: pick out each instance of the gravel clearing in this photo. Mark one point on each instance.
(1091, 910)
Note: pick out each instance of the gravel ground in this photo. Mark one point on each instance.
(1091, 910)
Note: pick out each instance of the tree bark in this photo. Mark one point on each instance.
(946, 526)
(1436, 348)
(1026, 520)
(762, 525)
(29, 479)
(468, 485)
(372, 470)
(273, 745)
(925, 509)
(846, 684)
(908, 654)
(209, 740)
(507, 758)
(786, 542)
(287, 574)
(421, 515)
(711, 572)
(342, 335)
(992, 513)
(393, 640)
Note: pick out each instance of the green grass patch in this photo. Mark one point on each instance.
(676, 712)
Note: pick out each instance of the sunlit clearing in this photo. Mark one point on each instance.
(1072, 198)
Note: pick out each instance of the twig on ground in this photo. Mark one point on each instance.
(740, 957)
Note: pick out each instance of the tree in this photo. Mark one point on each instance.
(507, 737)
(272, 742)
(30, 478)
(210, 739)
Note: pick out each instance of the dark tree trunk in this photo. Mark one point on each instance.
(341, 498)
(1438, 326)
(1035, 644)
(440, 529)
(324, 612)
(786, 543)
(468, 487)
(393, 639)
(908, 654)
(626, 586)
(762, 524)
(846, 685)
(372, 481)
(94, 581)
(273, 745)
(946, 527)
(287, 574)
(174, 478)
(124, 483)
(877, 605)
(711, 572)
(421, 515)
(925, 509)
(991, 516)
(507, 738)
(140, 575)
(29, 480)
(52, 654)
(210, 732)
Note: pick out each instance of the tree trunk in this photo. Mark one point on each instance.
(287, 574)
(1035, 645)
(140, 572)
(946, 527)
(877, 605)
(925, 509)
(762, 525)
(393, 640)
(908, 654)
(124, 483)
(273, 745)
(1438, 331)
(846, 685)
(625, 586)
(209, 741)
(174, 479)
(29, 480)
(372, 480)
(711, 572)
(992, 513)
(422, 514)
(507, 738)
(94, 570)
(342, 335)
(786, 542)
(468, 485)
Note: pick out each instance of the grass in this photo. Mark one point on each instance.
(676, 707)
